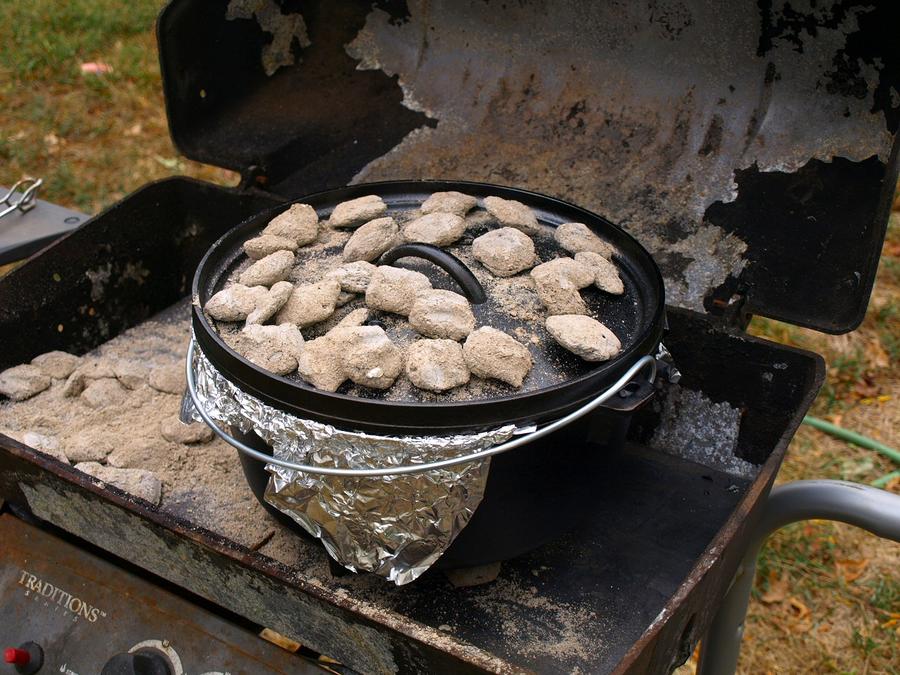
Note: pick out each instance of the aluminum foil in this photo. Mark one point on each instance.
(393, 526)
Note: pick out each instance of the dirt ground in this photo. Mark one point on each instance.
(827, 597)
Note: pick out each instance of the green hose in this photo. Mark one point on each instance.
(884, 480)
(861, 441)
(852, 437)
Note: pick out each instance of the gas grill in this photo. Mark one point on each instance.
(752, 151)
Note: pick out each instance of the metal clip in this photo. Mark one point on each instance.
(28, 188)
(667, 364)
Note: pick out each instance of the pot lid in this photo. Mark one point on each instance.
(556, 378)
(753, 151)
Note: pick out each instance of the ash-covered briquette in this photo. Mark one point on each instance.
(584, 336)
(300, 274)
(371, 240)
(578, 238)
(58, 365)
(270, 270)
(436, 365)
(493, 354)
(362, 354)
(299, 224)
(395, 290)
(275, 299)
(357, 211)
(442, 314)
(236, 302)
(437, 229)
(354, 277)
(139, 445)
(22, 382)
(457, 203)
(606, 276)
(505, 251)
(510, 213)
(310, 304)
(558, 283)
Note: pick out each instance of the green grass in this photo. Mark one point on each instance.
(885, 594)
(47, 41)
(92, 138)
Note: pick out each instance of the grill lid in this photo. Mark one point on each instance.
(752, 151)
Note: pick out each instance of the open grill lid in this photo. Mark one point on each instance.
(752, 151)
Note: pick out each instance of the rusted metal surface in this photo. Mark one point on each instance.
(752, 149)
(716, 135)
(632, 574)
(82, 610)
(284, 28)
(251, 585)
(655, 115)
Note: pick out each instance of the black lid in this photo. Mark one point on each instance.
(753, 151)
(557, 382)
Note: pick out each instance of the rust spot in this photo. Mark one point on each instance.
(713, 138)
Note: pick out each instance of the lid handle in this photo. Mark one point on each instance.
(452, 265)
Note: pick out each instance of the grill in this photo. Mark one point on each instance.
(752, 152)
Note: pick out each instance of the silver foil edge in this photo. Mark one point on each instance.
(394, 526)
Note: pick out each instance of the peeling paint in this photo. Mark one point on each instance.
(291, 614)
(631, 111)
(714, 255)
(284, 29)
(135, 271)
(365, 49)
(99, 278)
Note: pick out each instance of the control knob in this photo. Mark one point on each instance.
(142, 662)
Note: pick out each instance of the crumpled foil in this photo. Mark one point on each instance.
(394, 526)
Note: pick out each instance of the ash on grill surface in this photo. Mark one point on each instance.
(696, 428)
(543, 611)
(202, 483)
(512, 306)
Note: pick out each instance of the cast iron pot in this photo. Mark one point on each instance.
(534, 492)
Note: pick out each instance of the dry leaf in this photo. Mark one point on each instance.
(876, 354)
(798, 609)
(865, 389)
(851, 570)
(802, 619)
(778, 590)
(892, 248)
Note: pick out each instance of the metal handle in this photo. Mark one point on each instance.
(640, 364)
(28, 187)
(448, 262)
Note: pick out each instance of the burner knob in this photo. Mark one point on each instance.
(27, 657)
(138, 663)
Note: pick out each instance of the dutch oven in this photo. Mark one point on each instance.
(537, 490)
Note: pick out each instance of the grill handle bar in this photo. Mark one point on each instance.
(645, 362)
(874, 510)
